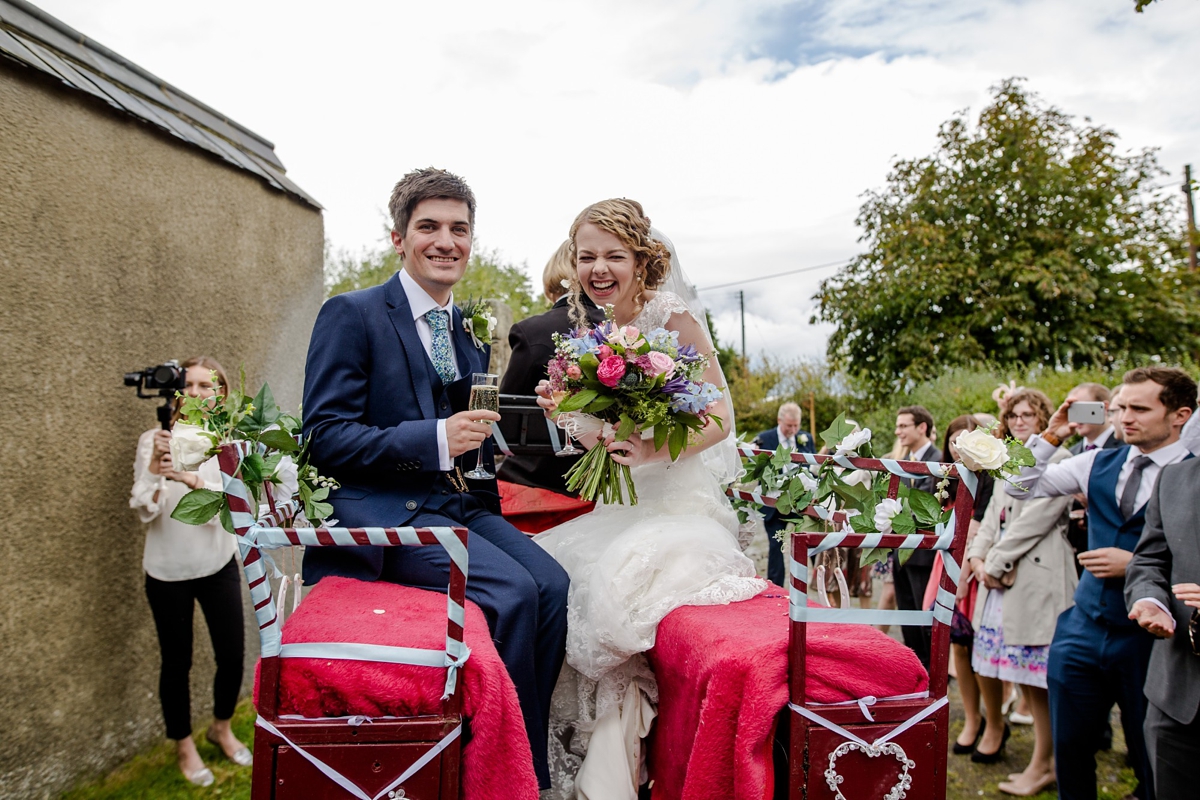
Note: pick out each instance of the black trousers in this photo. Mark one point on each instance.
(1174, 750)
(910, 581)
(172, 604)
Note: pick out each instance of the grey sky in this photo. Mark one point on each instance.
(748, 129)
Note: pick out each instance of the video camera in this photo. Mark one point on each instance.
(162, 380)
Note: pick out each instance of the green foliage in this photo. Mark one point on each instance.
(487, 276)
(760, 390)
(235, 417)
(1028, 240)
(1140, 5)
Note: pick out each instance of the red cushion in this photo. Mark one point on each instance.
(534, 510)
(344, 610)
(722, 679)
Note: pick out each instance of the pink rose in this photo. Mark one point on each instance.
(574, 373)
(605, 352)
(629, 334)
(660, 364)
(611, 370)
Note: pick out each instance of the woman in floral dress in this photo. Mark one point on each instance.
(1026, 572)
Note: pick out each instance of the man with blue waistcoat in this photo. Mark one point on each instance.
(1098, 655)
(386, 391)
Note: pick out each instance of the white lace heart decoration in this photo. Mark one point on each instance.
(903, 783)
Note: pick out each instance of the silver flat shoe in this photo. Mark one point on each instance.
(201, 777)
(242, 757)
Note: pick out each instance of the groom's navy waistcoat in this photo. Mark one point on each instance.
(372, 400)
(1103, 599)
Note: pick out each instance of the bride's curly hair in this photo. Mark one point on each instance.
(626, 220)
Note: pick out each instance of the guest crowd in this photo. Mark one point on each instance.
(1080, 591)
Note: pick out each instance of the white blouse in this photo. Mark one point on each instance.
(176, 551)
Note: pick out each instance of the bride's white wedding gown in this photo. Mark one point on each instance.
(630, 566)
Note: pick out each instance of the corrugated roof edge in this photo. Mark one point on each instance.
(45, 29)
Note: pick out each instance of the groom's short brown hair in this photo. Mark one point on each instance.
(426, 184)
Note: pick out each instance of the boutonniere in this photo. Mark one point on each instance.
(802, 438)
(479, 322)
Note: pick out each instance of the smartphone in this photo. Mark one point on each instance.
(1086, 413)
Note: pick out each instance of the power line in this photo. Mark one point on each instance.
(843, 262)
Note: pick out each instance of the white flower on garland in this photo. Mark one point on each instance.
(809, 483)
(853, 441)
(289, 479)
(189, 446)
(885, 512)
(979, 450)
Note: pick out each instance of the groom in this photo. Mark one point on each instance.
(385, 397)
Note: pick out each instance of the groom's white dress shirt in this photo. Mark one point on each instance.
(421, 304)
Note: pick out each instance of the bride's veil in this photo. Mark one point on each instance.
(722, 458)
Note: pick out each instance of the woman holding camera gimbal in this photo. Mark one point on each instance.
(185, 564)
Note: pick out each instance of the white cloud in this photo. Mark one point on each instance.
(748, 129)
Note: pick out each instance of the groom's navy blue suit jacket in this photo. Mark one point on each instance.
(372, 400)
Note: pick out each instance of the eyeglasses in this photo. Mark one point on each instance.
(1028, 416)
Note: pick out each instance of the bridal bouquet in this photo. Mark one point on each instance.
(619, 380)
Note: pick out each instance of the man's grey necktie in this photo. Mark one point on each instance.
(1129, 496)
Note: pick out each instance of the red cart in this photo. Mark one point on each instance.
(342, 757)
(860, 750)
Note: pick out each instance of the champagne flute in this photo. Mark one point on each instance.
(485, 396)
(568, 449)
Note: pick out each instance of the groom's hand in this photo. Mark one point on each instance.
(465, 432)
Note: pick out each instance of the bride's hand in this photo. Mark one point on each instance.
(632, 452)
(545, 397)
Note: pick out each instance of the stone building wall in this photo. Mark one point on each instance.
(119, 247)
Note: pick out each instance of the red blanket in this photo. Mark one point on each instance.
(343, 610)
(534, 510)
(722, 679)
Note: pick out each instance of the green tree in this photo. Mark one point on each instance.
(487, 277)
(1025, 241)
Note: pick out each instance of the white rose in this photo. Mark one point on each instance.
(289, 479)
(978, 450)
(859, 477)
(854, 441)
(189, 447)
(809, 483)
(885, 512)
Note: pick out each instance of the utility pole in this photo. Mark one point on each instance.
(742, 306)
(1191, 219)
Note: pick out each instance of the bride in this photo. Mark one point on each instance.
(631, 565)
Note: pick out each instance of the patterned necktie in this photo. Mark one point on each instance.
(440, 354)
(1129, 496)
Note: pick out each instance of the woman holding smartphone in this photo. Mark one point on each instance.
(185, 564)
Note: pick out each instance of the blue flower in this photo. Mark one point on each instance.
(688, 354)
(583, 344)
(663, 340)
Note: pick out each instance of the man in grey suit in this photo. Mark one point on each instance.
(1163, 597)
